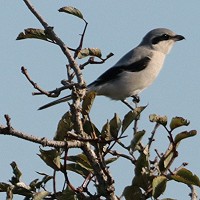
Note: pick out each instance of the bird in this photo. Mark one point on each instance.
(135, 71)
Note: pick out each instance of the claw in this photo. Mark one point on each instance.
(136, 98)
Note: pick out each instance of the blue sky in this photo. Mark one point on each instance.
(114, 26)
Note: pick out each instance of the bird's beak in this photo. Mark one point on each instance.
(178, 37)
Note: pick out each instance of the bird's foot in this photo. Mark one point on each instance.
(136, 99)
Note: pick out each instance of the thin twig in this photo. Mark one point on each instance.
(87, 180)
(151, 139)
(73, 136)
(115, 153)
(180, 167)
(40, 19)
(54, 181)
(58, 41)
(35, 85)
(81, 41)
(92, 61)
(65, 171)
(8, 120)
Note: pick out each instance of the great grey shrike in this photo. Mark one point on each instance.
(136, 70)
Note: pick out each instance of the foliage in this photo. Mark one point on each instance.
(98, 146)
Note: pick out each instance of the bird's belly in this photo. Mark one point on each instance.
(131, 83)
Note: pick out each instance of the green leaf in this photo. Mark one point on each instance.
(64, 125)
(90, 129)
(110, 160)
(136, 140)
(82, 160)
(131, 116)
(115, 125)
(141, 164)
(89, 52)
(51, 158)
(80, 166)
(38, 184)
(67, 194)
(33, 184)
(185, 176)
(132, 192)
(177, 122)
(166, 159)
(87, 102)
(78, 169)
(17, 173)
(139, 109)
(33, 33)
(159, 186)
(105, 132)
(143, 180)
(158, 119)
(183, 135)
(40, 195)
(128, 119)
(71, 10)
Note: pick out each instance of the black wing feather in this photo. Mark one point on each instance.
(114, 72)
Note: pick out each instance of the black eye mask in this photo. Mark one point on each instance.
(158, 39)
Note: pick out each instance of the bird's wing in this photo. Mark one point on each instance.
(115, 71)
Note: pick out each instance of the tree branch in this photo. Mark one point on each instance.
(58, 41)
(193, 194)
(4, 130)
(105, 181)
(53, 93)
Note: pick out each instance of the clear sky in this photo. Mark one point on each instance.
(114, 26)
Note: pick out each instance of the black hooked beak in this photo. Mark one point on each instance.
(178, 37)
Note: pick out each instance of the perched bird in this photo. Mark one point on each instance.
(136, 70)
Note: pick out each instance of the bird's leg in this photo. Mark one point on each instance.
(127, 104)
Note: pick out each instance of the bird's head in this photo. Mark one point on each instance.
(161, 39)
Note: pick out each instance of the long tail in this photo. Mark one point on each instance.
(63, 99)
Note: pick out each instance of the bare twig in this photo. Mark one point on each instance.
(159, 156)
(87, 181)
(7, 117)
(151, 139)
(93, 139)
(180, 167)
(81, 41)
(105, 181)
(35, 85)
(4, 130)
(65, 172)
(58, 41)
(115, 153)
(92, 61)
(56, 92)
(54, 181)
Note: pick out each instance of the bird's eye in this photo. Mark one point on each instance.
(165, 37)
